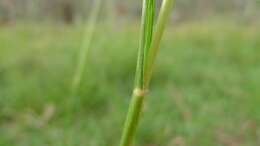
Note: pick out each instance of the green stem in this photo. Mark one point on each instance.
(160, 27)
(136, 103)
(147, 52)
(132, 119)
(145, 40)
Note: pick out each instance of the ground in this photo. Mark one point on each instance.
(204, 91)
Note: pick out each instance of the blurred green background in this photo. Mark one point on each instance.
(204, 91)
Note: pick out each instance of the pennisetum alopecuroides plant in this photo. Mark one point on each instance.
(148, 48)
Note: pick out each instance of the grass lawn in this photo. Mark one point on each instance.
(204, 91)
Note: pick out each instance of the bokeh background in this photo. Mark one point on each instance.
(204, 91)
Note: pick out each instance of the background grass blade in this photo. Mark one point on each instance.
(85, 47)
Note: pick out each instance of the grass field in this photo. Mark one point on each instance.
(204, 92)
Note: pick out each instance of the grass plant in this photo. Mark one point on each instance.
(211, 74)
(148, 48)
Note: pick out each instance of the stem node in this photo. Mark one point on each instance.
(139, 92)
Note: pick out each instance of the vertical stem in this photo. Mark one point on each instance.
(132, 119)
(145, 40)
(136, 103)
(149, 45)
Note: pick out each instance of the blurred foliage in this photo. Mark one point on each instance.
(205, 89)
(77, 10)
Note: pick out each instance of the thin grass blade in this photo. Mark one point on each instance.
(159, 29)
(146, 35)
(84, 49)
